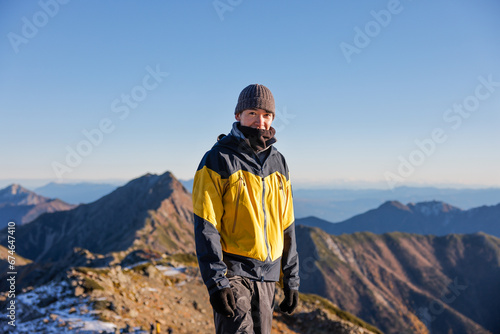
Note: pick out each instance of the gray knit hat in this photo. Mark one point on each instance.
(255, 97)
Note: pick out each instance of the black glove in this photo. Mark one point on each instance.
(223, 302)
(290, 302)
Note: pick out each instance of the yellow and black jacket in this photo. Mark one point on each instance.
(243, 214)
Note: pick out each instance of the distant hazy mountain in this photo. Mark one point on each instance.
(23, 206)
(339, 204)
(406, 283)
(76, 193)
(153, 213)
(188, 184)
(434, 217)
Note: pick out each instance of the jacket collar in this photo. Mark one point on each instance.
(236, 132)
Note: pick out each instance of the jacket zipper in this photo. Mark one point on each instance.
(240, 184)
(268, 258)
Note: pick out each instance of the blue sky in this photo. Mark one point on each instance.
(368, 93)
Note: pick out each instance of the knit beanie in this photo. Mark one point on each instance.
(255, 97)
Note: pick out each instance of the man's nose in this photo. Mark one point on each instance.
(260, 120)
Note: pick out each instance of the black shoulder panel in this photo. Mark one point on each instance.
(231, 154)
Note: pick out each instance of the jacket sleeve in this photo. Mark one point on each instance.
(290, 260)
(208, 210)
(290, 257)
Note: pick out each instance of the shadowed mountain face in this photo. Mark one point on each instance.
(434, 217)
(23, 206)
(406, 283)
(153, 212)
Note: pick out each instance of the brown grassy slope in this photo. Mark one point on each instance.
(406, 283)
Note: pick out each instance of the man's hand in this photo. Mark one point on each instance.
(290, 302)
(223, 302)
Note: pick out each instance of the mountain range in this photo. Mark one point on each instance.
(433, 217)
(103, 255)
(152, 213)
(337, 205)
(23, 206)
(399, 282)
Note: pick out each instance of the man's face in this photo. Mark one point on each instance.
(255, 118)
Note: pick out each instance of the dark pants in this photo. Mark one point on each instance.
(254, 308)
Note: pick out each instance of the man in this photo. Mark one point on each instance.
(244, 222)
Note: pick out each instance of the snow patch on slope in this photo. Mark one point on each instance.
(53, 308)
